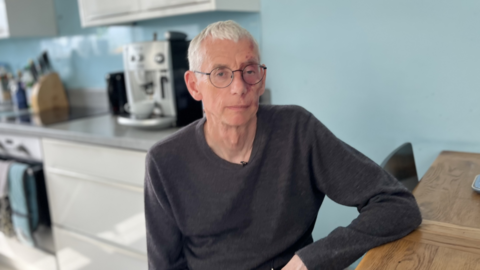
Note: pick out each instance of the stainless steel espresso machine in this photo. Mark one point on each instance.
(154, 78)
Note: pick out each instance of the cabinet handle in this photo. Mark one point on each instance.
(22, 149)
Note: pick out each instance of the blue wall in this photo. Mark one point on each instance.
(379, 73)
(84, 56)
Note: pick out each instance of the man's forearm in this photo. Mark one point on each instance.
(384, 219)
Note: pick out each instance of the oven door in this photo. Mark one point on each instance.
(13, 253)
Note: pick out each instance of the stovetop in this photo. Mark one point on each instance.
(46, 118)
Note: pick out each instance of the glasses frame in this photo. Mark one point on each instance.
(233, 75)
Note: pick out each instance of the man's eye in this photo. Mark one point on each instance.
(221, 73)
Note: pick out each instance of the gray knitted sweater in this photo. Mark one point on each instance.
(205, 213)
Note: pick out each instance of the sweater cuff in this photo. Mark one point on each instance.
(332, 252)
(311, 256)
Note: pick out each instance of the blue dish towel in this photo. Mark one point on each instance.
(23, 201)
(6, 225)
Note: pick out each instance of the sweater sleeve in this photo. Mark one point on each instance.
(388, 211)
(164, 239)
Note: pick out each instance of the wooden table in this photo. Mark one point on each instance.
(449, 237)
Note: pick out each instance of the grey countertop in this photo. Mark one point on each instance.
(101, 130)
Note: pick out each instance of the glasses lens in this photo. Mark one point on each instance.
(253, 74)
(221, 77)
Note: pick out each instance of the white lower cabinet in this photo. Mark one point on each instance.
(96, 205)
(78, 252)
(111, 212)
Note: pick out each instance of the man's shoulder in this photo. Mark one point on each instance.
(285, 113)
(181, 139)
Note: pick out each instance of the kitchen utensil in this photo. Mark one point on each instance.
(48, 94)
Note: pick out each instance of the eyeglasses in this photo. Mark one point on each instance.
(222, 77)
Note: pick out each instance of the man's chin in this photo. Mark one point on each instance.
(238, 120)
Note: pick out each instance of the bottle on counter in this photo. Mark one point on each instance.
(20, 93)
(5, 96)
(12, 87)
(29, 78)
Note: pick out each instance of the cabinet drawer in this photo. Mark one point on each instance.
(105, 210)
(107, 163)
(76, 251)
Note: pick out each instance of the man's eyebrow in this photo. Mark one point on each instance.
(244, 64)
(219, 66)
(250, 62)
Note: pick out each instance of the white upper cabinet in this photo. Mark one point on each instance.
(110, 12)
(92, 10)
(27, 18)
(3, 20)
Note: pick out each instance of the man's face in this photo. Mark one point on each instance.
(236, 104)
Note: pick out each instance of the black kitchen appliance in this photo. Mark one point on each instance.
(117, 93)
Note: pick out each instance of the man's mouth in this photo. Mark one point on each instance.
(238, 107)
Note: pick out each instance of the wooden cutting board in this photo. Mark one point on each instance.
(48, 94)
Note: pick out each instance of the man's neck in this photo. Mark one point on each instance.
(232, 143)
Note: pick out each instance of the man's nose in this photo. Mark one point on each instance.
(238, 86)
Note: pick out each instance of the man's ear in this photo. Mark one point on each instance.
(192, 85)
(262, 91)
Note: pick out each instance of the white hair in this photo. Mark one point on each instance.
(227, 30)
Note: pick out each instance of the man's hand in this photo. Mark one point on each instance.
(295, 264)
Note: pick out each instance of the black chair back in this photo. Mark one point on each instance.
(401, 164)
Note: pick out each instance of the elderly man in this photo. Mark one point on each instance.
(242, 187)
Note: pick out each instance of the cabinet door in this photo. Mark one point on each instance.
(111, 212)
(3, 20)
(95, 9)
(154, 4)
